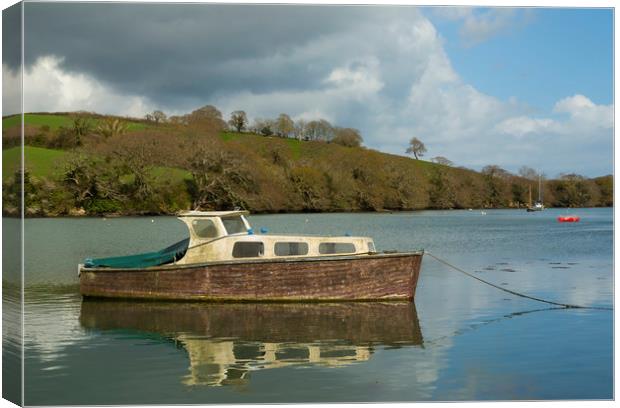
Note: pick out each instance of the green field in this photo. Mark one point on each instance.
(53, 121)
(40, 162)
(47, 163)
(293, 145)
(133, 126)
(228, 136)
(56, 121)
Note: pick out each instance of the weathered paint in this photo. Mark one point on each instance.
(219, 247)
(335, 278)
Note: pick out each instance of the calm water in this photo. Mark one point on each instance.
(462, 340)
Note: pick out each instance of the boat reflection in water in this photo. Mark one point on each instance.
(224, 342)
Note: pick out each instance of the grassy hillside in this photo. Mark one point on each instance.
(160, 169)
(51, 130)
(53, 121)
(40, 162)
(48, 163)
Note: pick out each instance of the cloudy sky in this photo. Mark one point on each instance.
(479, 86)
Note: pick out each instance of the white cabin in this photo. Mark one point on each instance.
(227, 236)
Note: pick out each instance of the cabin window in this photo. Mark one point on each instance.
(371, 247)
(205, 228)
(234, 225)
(336, 248)
(291, 248)
(248, 249)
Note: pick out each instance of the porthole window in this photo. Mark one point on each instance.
(290, 248)
(336, 248)
(248, 249)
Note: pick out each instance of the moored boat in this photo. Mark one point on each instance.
(538, 205)
(224, 260)
(569, 218)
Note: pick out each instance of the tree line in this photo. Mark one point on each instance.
(282, 126)
(180, 162)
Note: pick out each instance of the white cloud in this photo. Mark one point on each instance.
(11, 91)
(359, 79)
(585, 113)
(396, 84)
(523, 125)
(406, 86)
(573, 104)
(355, 82)
(479, 25)
(585, 118)
(47, 88)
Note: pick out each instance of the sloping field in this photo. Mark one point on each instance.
(53, 121)
(48, 163)
(56, 121)
(40, 162)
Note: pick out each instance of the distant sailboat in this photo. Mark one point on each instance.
(538, 205)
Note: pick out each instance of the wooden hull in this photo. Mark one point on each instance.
(338, 278)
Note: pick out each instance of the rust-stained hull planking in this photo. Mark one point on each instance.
(338, 278)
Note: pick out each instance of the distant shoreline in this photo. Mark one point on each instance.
(97, 165)
(129, 215)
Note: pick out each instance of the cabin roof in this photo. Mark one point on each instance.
(212, 213)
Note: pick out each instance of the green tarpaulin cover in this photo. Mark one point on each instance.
(166, 255)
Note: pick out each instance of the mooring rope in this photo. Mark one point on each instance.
(564, 305)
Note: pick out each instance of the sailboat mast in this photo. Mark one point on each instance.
(539, 188)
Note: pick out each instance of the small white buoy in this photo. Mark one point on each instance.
(152, 220)
(483, 212)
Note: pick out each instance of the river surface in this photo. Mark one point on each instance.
(462, 340)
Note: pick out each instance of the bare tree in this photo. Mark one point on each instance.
(494, 170)
(208, 116)
(416, 147)
(300, 129)
(264, 127)
(284, 125)
(348, 137)
(312, 130)
(178, 120)
(238, 120)
(158, 117)
(81, 126)
(85, 180)
(221, 179)
(442, 160)
(528, 173)
(319, 130)
(326, 130)
(136, 158)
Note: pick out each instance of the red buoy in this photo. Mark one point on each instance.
(568, 218)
